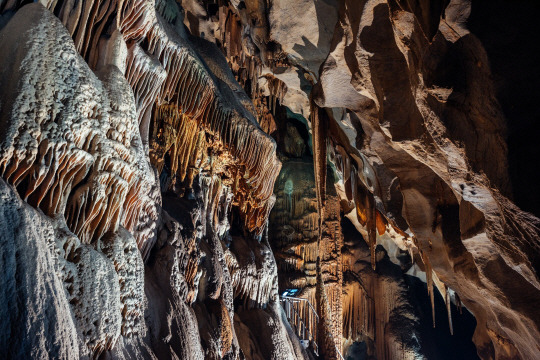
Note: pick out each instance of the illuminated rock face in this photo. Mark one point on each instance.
(105, 106)
(139, 146)
(417, 129)
(295, 223)
(416, 135)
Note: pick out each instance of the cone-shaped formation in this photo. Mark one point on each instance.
(430, 288)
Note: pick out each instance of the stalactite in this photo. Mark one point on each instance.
(448, 309)
(277, 90)
(372, 231)
(85, 21)
(179, 137)
(458, 303)
(135, 18)
(429, 279)
(318, 121)
(145, 75)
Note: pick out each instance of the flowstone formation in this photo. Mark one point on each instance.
(170, 168)
(294, 239)
(401, 98)
(106, 106)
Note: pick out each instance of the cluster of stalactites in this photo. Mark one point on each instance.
(167, 71)
(253, 283)
(217, 199)
(298, 242)
(247, 59)
(266, 106)
(184, 139)
(178, 137)
(377, 224)
(191, 91)
(358, 313)
(277, 90)
(358, 188)
(146, 76)
(87, 21)
(301, 257)
(433, 281)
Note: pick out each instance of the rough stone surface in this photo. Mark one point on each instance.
(37, 317)
(141, 151)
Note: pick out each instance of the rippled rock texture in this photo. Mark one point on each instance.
(156, 155)
(105, 106)
(412, 123)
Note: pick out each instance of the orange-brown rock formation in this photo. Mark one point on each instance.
(141, 150)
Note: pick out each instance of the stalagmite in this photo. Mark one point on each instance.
(327, 343)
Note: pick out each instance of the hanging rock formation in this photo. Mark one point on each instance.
(416, 135)
(451, 184)
(144, 197)
(93, 101)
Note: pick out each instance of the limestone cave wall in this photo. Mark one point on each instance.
(168, 168)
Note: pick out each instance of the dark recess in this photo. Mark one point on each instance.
(509, 32)
(437, 343)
